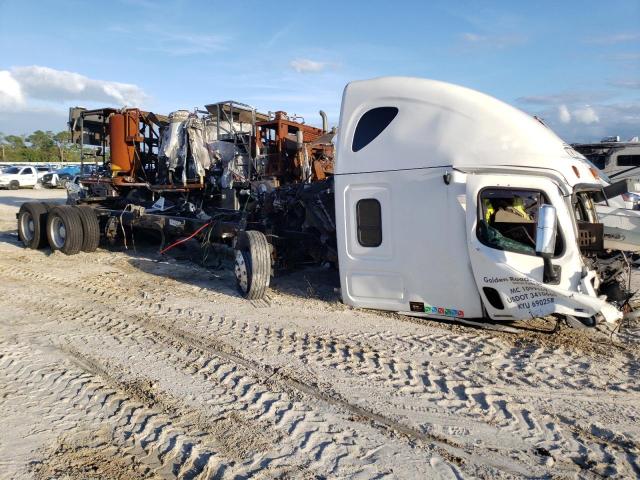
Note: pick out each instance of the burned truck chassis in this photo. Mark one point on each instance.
(297, 221)
(229, 176)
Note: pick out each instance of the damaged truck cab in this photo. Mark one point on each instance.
(450, 203)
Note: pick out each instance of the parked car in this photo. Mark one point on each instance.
(17, 177)
(42, 170)
(60, 177)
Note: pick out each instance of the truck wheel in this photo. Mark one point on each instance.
(14, 185)
(64, 230)
(90, 228)
(253, 264)
(32, 221)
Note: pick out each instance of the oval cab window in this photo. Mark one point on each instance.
(371, 125)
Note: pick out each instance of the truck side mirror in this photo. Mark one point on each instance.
(546, 230)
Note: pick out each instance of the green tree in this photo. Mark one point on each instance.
(15, 141)
(43, 147)
(62, 140)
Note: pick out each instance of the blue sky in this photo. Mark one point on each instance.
(574, 63)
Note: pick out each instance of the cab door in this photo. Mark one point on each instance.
(501, 227)
(28, 176)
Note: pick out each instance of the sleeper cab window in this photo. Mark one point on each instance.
(372, 124)
(508, 220)
(369, 222)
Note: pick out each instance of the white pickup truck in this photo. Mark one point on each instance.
(18, 177)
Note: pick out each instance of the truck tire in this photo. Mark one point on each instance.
(252, 264)
(32, 222)
(90, 228)
(14, 185)
(64, 230)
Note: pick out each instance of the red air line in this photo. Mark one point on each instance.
(185, 239)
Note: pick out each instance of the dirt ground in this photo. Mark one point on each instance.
(125, 364)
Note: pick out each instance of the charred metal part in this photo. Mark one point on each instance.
(213, 176)
(290, 151)
(111, 230)
(613, 270)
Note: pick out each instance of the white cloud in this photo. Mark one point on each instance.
(188, 44)
(566, 98)
(473, 37)
(629, 83)
(615, 38)
(304, 65)
(582, 122)
(563, 114)
(586, 115)
(174, 44)
(492, 41)
(625, 57)
(37, 97)
(44, 83)
(10, 91)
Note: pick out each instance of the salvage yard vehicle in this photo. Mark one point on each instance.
(42, 170)
(452, 203)
(615, 158)
(60, 177)
(18, 177)
(442, 202)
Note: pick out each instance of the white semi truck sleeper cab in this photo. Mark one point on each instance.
(450, 203)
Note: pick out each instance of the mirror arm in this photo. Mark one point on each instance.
(551, 272)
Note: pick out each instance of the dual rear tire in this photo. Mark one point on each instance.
(64, 230)
(90, 228)
(69, 229)
(32, 219)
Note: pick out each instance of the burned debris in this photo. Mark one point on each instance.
(215, 174)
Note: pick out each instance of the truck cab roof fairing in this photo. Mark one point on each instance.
(441, 124)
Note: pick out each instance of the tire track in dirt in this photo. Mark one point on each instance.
(452, 378)
(124, 328)
(353, 357)
(139, 429)
(348, 353)
(254, 398)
